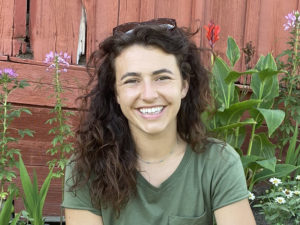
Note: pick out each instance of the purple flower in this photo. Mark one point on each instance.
(60, 59)
(292, 18)
(9, 72)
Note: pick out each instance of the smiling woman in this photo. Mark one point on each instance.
(142, 155)
(149, 89)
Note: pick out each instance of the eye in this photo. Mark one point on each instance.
(130, 81)
(163, 78)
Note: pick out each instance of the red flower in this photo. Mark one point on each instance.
(212, 33)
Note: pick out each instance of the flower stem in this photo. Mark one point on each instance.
(4, 130)
(4, 124)
(58, 91)
(295, 59)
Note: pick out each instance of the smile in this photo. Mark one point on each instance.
(153, 110)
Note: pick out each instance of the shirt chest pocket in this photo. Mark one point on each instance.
(180, 220)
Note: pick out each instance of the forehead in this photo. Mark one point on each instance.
(140, 58)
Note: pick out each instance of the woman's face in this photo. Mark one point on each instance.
(149, 89)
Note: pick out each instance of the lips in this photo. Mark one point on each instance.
(151, 110)
(151, 113)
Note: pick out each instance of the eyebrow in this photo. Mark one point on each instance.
(134, 74)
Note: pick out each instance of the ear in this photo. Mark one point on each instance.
(118, 99)
(116, 94)
(185, 88)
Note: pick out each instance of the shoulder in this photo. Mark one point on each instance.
(218, 150)
(73, 176)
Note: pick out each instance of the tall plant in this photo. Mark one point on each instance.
(33, 198)
(5, 213)
(228, 124)
(61, 144)
(9, 82)
(289, 94)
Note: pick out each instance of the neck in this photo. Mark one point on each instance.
(154, 148)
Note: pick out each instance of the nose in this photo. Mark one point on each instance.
(148, 92)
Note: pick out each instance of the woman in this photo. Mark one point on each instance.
(142, 154)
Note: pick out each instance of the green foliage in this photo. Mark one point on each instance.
(233, 51)
(33, 198)
(281, 204)
(289, 96)
(6, 212)
(229, 120)
(8, 113)
(62, 131)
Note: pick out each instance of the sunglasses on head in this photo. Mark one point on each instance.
(129, 27)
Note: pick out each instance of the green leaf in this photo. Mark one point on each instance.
(50, 121)
(235, 125)
(10, 175)
(273, 117)
(233, 51)
(225, 93)
(16, 219)
(26, 111)
(267, 73)
(249, 159)
(234, 75)
(5, 212)
(57, 139)
(15, 113)
(12, 152)
(236, 138)
(293, 152)
(266, 62)
(281, 170)
(235, 111)
(44, 191)
(267, 88)
(33, 200)
(268, 163)
(23, 83)
(27, 187)
(262, 146)
(24, 132)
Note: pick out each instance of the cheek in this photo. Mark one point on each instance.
(125, 97)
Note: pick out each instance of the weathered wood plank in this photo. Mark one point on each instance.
(3, 57)
(36, 62)
(91, 30)
(106, 19)
(34, 149)
(54, 26)
(178, 9)
(19, 28)
(20, 18)
(272, 38)
(41, 85)
(129, 11)
(198, 21)
(147, 11)
(6, 26)
(250, 34)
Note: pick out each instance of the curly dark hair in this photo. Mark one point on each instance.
(105, 153)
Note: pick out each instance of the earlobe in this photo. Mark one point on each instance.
(185, 88)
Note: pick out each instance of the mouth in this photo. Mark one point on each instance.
(151, 110)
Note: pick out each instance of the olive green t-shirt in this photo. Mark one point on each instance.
(201, 184)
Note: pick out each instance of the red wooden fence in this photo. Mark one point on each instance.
(31, 28)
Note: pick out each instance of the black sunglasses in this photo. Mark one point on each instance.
(129, 27)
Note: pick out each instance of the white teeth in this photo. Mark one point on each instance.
(154, 110)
